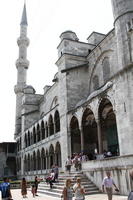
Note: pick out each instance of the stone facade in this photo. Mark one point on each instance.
(87, 109)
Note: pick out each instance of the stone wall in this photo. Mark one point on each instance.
(120, 168)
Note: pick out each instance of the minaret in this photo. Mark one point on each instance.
(123, 22)
(22, 65)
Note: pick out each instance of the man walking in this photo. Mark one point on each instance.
(5, 189)
(108, 184)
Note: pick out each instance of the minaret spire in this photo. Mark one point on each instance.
(24, 16)
(22, 65)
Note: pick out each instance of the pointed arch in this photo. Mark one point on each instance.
(34, 135)
(38, 160)
(89, 127)
(58, 154)
(75, 136)
(43, 130)
(51, 155)
(51, 125)
(43, 158)
(47, 131)
(28, 162)
(108, 127)
(34, 160)
(57, 121)
(29, 141)
(38, 133)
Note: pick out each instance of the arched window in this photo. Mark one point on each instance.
(51, 125)
(26, 143)
(58, 154)
(106, 69)
(34, 135)
(29, 138)
(95, 82)
(28, 162)
(51, 155)
(57, 121)
(43, 130)
(34, 160)
(38, 133)
(46, 126)
(75, 136)
(38, 160)
(43, 158)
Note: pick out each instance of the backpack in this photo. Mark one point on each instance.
(5, 190)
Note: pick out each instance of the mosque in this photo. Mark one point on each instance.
(89, 107)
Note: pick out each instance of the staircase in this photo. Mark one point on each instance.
(57, 189)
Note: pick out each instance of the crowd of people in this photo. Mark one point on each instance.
(67, 194)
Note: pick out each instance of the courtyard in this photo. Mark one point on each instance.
(16, 195)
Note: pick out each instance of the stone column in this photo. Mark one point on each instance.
(99, 133)
(82, 138)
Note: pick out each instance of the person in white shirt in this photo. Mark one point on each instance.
(108, 184)
(79, 190)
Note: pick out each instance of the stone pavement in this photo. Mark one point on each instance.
(16, 195)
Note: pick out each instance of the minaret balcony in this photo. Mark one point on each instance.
(23, 41)
(22, 63)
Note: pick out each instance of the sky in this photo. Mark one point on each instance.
(47, 19)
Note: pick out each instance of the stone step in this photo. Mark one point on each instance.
(61, 187)
(57, 189)
(50, 192)
(63, 183)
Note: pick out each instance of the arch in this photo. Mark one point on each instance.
(38, 160)
(38, 133)
(57, 121)
(51, 155)
(28, 162)
(34, 160)
(58, 154)
(75, 136)
(54, 102)
(25, 139)
(103, 54)
(106, 69)
(34, 135)
(43, 130)
(46, 127)
(89, 128)
(25, 164)
(29, 141)
(43, 158)
(51, 125)
(108, 127)
(31, 163)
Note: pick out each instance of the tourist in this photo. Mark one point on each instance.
(5, 190)
(56, 171)
(67, 190)
(68, 164)
(108, 184)
(33, 190)
(36, 182)
(24, 188)
(79, 190)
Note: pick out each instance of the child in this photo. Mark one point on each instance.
(33, 190)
